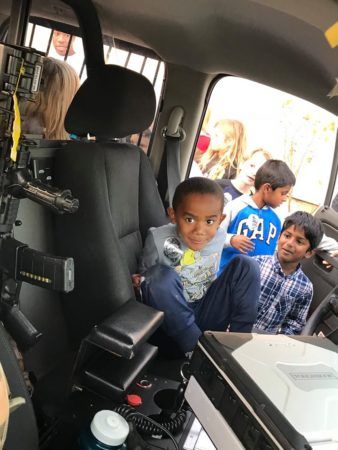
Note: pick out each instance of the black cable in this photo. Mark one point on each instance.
(150, 427)
(156, 424)
(173, 424)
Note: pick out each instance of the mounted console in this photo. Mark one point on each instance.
(252, 391)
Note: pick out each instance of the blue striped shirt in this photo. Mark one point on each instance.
(285, 299)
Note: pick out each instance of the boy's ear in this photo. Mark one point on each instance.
(171, 214)
(223, 216)
(309, 253)
(267, 187)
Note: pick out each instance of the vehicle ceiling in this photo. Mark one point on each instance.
(277, 42)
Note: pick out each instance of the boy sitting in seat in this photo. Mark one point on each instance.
(180, 263)
(286, 292)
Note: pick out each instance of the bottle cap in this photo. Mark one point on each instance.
(109, 428)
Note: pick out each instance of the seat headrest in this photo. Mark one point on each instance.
(113, 102)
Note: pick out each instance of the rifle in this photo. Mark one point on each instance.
(20, 76)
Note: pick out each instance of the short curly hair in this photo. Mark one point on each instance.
(197, 185)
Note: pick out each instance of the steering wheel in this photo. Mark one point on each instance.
(329, 304)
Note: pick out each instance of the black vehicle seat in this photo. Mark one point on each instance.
(119, 201)
(117, 191)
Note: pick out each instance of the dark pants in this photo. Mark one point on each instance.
(231, 301)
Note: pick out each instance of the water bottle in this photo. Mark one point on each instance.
(108, 431)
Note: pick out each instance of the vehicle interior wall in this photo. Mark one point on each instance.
(57, 11)
(4, 11)
(5, 7)
(282, 48)
(237, 37)
(324, 278)
(187, 88)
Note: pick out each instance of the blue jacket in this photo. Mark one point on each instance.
(261, 225)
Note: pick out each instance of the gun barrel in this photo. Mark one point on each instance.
(59, 201)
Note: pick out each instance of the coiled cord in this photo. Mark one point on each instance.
(144, 426)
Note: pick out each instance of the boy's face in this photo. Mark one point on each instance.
(198, 218)
(275, 198)
(293, 246)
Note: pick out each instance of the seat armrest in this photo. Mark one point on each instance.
(126, 329)
(111, 376)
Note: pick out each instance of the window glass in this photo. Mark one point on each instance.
(38, 38)
(243, 116)
(135, 62)
(117, 56)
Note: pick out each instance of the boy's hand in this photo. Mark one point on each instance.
(136, 280)
(334, 254)
(242, 243)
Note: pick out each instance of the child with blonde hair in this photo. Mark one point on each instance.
(226, 150)
(245, 178)
(47, 114)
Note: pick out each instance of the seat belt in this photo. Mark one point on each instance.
(170, 174)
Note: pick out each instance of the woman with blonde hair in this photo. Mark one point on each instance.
(47, 114)
(226, 150)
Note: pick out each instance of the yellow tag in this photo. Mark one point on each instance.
(331, 35)
(16, 129)
(188, 257)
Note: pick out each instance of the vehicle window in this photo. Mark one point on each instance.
(68, 47)
(243, 116)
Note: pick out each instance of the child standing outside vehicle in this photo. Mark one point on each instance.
(180, 263)
(286, 292)
(245, 178)
(226, 150)
(252, 224)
